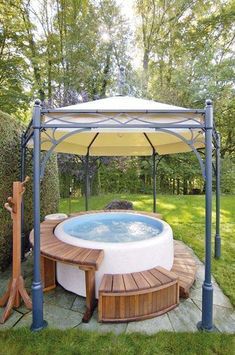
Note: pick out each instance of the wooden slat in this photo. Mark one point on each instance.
(170, 274)
(56, 249)
(140, 280)
(188, 262)
(52, 248)
(184, 270)
(62, 251)
(70, 254)
(184, 267)
(151, 279)
(106, 283)
(130, 284)
(94, 258)
(82, 255)
(118, 283)
(161, 277)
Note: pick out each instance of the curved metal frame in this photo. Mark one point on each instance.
(34, 131)
(54, 145)
(190, 143)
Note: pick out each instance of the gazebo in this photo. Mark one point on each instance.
(125, 126)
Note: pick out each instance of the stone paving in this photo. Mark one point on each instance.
(63, 309)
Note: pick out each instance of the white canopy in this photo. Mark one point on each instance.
(123, 126)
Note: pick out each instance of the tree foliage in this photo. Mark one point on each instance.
(66, 51)
(10, 135)
(61, 51)
(188, 55)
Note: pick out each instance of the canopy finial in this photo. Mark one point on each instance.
(121, 80)
(37, 102)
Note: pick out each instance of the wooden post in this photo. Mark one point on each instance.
(16, 289)
(90, 293)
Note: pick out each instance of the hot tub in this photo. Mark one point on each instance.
(131, 242)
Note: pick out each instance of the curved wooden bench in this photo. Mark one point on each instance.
(138, 295)
(128, 297)
(53, 249)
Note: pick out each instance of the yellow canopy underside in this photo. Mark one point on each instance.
(123, 143)
(122, 124)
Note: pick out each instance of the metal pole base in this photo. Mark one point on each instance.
(217, 246)
(43, 326)
(200, 327)
(37, 297)
(207, 308)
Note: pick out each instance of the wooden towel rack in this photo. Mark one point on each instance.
(16, 289)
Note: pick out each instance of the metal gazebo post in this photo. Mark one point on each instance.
(22, 177)
(207, 288)
(37, 290)
(87, 181)
(154, 182)
(87, 177)
(154, 171)
(217, 173)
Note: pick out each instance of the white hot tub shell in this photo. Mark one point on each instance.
(118, 257)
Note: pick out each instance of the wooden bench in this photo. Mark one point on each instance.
(52, 250)
(138, 295)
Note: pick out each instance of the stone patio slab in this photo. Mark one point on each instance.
(60, 297)
(11, 321)
(224, 318)
(57, 317)
(94, 325)
(151, 326)
(185, 317)
(219, 297)
(79, 304)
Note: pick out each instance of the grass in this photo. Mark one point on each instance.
(51, 341)
(186, 216)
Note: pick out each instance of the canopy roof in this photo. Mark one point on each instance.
(122, 126)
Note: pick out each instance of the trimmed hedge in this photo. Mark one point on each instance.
(10, 133)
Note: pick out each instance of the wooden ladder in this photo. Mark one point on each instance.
(16, 289)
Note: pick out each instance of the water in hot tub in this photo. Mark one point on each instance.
(113, 227)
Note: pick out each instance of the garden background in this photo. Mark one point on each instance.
(64, 52)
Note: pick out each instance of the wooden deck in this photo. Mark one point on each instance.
(123, 297)
(184, 267)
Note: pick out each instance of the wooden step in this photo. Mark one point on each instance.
(184, 267)
(138, 295)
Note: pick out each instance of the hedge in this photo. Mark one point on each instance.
(10, 133)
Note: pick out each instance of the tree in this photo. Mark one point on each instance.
(13, 65)
(188, 55)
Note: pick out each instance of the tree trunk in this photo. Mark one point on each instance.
(145, 70)
(34, 54)
(173, 187)
(105, 74)
(185, 187)
(178, 186)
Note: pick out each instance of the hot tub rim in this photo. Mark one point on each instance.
(65, 237)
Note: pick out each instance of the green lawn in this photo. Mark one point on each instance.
(186, 216)
(50, 341)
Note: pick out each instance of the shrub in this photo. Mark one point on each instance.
(10, 133)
